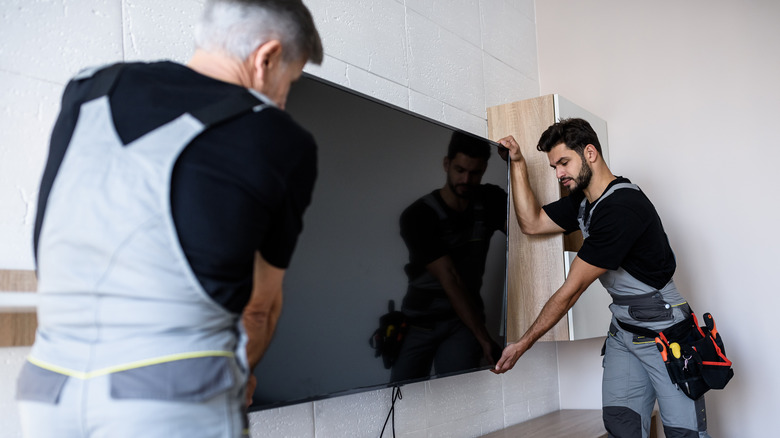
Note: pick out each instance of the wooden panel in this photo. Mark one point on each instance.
(17, 329)
(535, 266)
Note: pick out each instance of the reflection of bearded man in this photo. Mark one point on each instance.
(464, 175)
(447, 233)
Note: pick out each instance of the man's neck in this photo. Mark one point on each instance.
(598, 184)
(220, 67)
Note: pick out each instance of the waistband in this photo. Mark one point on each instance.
(126, 366)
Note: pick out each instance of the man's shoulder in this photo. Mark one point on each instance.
(168, 79)
(159, 84)
(131, 69)
(625, 205)
(626, 195)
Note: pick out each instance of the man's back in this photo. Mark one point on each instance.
(238, 187)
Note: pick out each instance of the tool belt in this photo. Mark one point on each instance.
(387, 339)
(695, 357)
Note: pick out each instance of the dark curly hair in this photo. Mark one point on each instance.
(574, 133)
(469, 145)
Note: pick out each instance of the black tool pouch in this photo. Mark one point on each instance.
(387, 339)
(695, 357)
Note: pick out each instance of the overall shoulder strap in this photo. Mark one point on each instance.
(585, 223)
(104, 80)
(431, 201)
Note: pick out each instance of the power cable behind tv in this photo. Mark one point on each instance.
(396, 396)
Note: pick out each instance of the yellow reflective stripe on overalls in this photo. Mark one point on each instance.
(651, 341)
(128, 366)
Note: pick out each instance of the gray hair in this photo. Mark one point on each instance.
(239, 27)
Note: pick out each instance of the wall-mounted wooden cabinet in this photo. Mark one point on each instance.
(537, 265)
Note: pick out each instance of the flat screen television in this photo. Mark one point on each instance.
(374, 160)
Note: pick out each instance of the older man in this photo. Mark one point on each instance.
(169, 207)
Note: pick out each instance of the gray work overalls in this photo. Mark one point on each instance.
(128, 342)
(634, 372)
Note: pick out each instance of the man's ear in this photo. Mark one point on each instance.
(591, 154)
(267, 57)
(446, 163)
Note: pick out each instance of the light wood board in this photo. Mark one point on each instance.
(566, 423)
(536, 263)
(17, 329)
(582, 423)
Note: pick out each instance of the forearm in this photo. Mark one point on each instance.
(581, 275)
(260, 325)
(552, 312)
(263, 310)
(464, 306)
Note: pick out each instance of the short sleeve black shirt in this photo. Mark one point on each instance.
(241, 186)
(625, 231)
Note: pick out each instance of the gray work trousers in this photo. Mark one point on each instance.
(634, 377)
(447, 345)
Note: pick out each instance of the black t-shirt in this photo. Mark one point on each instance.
(421, 229)
(238, 187)
(625, 231)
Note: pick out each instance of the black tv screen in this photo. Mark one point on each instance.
(374, 160)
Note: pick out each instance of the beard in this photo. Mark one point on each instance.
(582, 180)
(463, 191)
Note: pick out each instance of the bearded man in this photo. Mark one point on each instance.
(626, 248)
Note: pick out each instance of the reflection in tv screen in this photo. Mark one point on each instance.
(364, 306)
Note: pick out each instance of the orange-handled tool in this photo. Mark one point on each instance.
(710, 323)
(662, 348)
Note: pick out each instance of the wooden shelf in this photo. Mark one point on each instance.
(581, 423)
(17, 328)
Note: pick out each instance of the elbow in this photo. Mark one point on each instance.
(262, 313)
(575, 289)
(258, 315)
(528, 228)
(258, 319)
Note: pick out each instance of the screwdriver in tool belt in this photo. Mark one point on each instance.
(710, 324)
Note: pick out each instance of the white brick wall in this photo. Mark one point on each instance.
(468, 405)
(447, 60)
